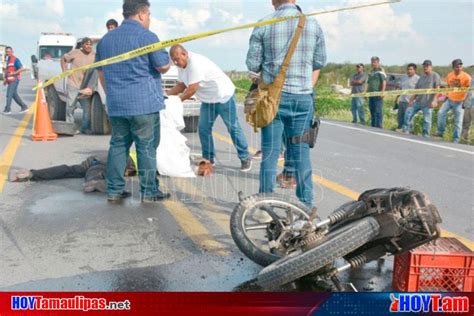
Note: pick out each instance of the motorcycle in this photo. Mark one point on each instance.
(291, 241)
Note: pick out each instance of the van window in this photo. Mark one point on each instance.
(53, 52)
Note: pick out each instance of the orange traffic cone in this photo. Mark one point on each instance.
(42, 128)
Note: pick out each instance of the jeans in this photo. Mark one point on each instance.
(12, 94)
(402, 108)
(427, 118)
(376, 111)
(85, 103)
(293, 118)
(228, 113)
(144, 130)
(358, 109)
(458, 111)
(466, 122)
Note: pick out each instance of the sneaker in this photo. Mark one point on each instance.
(7, 112)
(20, 175)
(246, 165)
(24, 110)
(257, 155)
(157, 198)
(119, 198)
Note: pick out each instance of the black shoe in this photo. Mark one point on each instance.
(246, 165)
(160, 196)
(119, 198)
(23, 110)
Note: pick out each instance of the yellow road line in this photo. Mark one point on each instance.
(8, 154)
(218, 216)
(350, 193)
(193, 227)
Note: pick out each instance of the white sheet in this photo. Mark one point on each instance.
(172, 155)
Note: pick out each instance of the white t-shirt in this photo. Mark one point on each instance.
(214, 85)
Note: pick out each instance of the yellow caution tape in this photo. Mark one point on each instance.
(406, 92)
(160, 45)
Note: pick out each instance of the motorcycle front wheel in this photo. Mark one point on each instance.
(249, 229)
(337, 244)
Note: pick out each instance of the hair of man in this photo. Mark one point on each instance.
(133, 7)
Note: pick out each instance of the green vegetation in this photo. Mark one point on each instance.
(339, 108)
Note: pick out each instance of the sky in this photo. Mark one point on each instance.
(399, 33)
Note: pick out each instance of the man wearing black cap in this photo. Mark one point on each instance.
(455, 79)
(423, 102)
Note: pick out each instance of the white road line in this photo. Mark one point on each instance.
(401, 138)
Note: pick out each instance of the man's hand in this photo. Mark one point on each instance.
(190, 91)
(177, 89)
(433, 105)
(86, 91)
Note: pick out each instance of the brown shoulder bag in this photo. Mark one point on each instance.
(261, 104)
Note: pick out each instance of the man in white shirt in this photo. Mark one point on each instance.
(201, 77)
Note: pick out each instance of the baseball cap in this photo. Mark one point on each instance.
(457, 62)
(427, 62)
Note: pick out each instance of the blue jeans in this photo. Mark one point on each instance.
(294, 117)
(402, 110)
(376, 111)
(427, 115)
(358, 109)
(228, 113)
(144, 130)
(458, 112)
(12, 94)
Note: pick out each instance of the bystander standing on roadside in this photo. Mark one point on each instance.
(197, 75)
(267, 50)
(134, 101)
(376, 82)
(423, 102)
(358, 82)
(14, 68)
(77, 58)
(468, 114)
(455, 79)
(407, 82)
(111, 25)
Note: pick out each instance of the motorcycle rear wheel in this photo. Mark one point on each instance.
(338, 243)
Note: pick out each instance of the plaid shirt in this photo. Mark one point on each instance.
(269, 45)
(133, 86)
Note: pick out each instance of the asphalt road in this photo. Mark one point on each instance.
(54, 237)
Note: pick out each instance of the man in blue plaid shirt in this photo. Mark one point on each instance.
(268, 47)
(134, 101)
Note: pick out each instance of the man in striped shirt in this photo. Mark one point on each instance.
(268, 47)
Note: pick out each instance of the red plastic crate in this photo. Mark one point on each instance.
(446, 266)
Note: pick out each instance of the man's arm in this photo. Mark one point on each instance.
(63, 63)
(102, 80)
(255, 53)
(384, 86)
(164, 69)
(177, 89)
(315, 77)
(189, 91)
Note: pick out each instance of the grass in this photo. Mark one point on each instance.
(339, 109)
